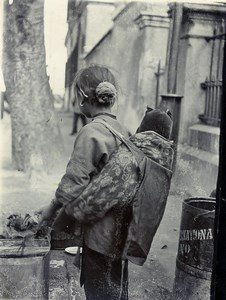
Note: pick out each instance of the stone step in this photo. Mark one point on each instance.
(204, 137)
(197, 169)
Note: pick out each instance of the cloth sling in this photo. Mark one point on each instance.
(148, 204)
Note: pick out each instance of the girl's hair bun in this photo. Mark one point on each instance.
(106, 93)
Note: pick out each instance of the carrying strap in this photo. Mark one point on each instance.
(138, 154)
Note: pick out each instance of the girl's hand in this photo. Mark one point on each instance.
(48, 212)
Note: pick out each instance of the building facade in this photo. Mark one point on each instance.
(161, 54)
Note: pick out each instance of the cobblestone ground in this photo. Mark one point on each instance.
(152, 281)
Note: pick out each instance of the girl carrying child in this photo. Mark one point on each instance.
(106, 222)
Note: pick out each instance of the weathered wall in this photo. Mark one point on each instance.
(132, 51)
(136, 43)
(154, 31)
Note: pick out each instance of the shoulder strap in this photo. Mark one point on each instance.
(138, 154)
(111, 129)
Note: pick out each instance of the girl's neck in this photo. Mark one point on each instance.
(105, 114)
(99, 111)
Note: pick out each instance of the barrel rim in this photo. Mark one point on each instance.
(187, 202)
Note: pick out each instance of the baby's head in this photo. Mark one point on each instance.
(96, 85)
(158, 121)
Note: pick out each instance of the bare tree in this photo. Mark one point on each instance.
(36, 140)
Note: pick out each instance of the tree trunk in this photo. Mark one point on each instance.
(36, 139)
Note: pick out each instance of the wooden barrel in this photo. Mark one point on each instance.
(195, 250)
(24, 275)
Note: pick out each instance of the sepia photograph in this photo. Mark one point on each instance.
(112, 150)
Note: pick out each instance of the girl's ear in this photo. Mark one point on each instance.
(81, 103)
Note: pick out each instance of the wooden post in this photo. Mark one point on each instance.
(171, 100)
(173, 103)
(177, 13)
(218, 284)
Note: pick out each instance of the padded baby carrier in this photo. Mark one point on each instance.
(150, 199)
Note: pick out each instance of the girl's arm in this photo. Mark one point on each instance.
(116, 184)
(89, 150)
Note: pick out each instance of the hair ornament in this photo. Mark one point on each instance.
(106, 92)
(83, 93)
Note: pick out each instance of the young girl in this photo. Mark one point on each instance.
(137, 177)
(102, 271)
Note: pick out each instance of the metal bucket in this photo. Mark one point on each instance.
(195, 249)
(24, 275)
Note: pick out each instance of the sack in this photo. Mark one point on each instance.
(148, 209)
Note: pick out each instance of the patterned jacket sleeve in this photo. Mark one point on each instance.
(116, 184)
